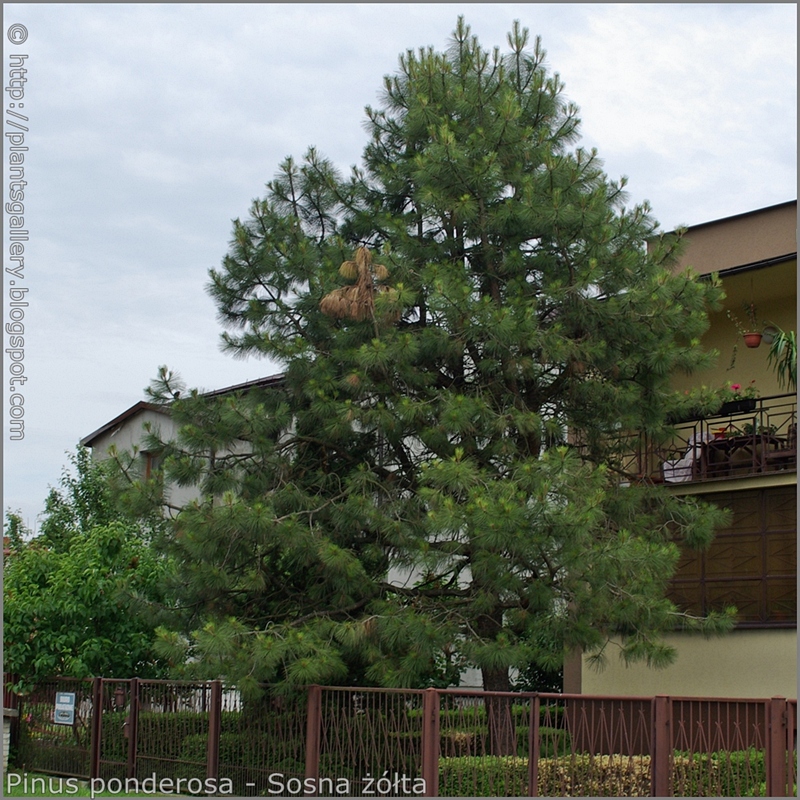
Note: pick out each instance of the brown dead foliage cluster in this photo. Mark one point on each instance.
(357, 302)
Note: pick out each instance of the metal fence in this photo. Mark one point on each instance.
(331, 741)
(746, 438)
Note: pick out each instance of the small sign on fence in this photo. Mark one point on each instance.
(64, 713)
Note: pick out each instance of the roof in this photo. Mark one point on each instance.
(753, 240)
(89, 440)
(742, 215)
(142, 405)
(269, 380)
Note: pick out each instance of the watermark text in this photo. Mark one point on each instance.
(16, 130)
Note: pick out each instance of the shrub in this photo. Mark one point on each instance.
(736, 774)
(598, 776)
(243, 757)
(458, 742)
(719, 774)
(483, 776)
(462, 717)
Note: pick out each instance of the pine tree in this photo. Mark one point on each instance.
(454, 418)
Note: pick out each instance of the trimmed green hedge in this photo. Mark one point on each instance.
(468, 715)
(275, 744)
(553, 741)
(483, 776)
(735, 774)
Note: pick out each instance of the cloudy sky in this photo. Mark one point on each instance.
(151, 127)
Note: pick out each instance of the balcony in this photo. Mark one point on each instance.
(755, 437)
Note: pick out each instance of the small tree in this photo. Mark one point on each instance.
(83, 597)
(441, 468)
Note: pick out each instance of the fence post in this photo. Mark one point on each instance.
(534, 747)
(214, 719)
(430, 742)
(133, 727)
(12, 701)
(776, 755)
(313, 726)
(97, 728)
(660, 748)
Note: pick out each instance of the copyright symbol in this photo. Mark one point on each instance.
(17, 34)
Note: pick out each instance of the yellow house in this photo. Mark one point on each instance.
(744, 459)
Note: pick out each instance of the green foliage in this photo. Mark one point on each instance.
(80, 502)
(69, 613)
(437, 482)
(243, 757)
(76, 598)
(740, 773)
(483, 776)
(734, 774)
(782, 357)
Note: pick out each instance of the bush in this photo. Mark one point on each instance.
(483, 776)
(595, 776)
(242, 758)
(458, 742)
(720, 774)
(477, 714)
(736, 774)
(570, 776)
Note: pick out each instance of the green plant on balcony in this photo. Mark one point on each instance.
(782, 357)
(749, 429)
(736, 391)
(752, 328)
(737, 398)
(751, 331)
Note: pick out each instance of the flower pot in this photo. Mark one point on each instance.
(738, 406)
(752, 339)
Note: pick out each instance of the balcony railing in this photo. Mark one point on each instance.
(755, 437)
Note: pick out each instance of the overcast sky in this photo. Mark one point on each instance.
(151, 127)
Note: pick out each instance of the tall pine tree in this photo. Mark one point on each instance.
(468, 325)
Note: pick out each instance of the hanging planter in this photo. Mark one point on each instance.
(751, 334)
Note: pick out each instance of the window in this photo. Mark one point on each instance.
(152, 463)
(752, 564)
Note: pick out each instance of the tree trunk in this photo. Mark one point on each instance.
(502, 736)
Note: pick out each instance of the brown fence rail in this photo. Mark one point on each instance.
(203, 738)
(747, 437)
(51, 748)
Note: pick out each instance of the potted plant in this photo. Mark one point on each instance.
(739, 399)
(751, 333)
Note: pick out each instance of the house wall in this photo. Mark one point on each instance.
(8, 716)
(748, 662)
(773, 290)
(757, 236)
(130, 434)
(744, 663)
(743, 239)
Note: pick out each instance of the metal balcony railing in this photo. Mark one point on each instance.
(746, 438)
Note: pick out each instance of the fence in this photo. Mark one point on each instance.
(332, 741)
(747, 437)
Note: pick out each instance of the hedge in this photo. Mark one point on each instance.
(722, 774)
(458, 742)
(477, 714)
